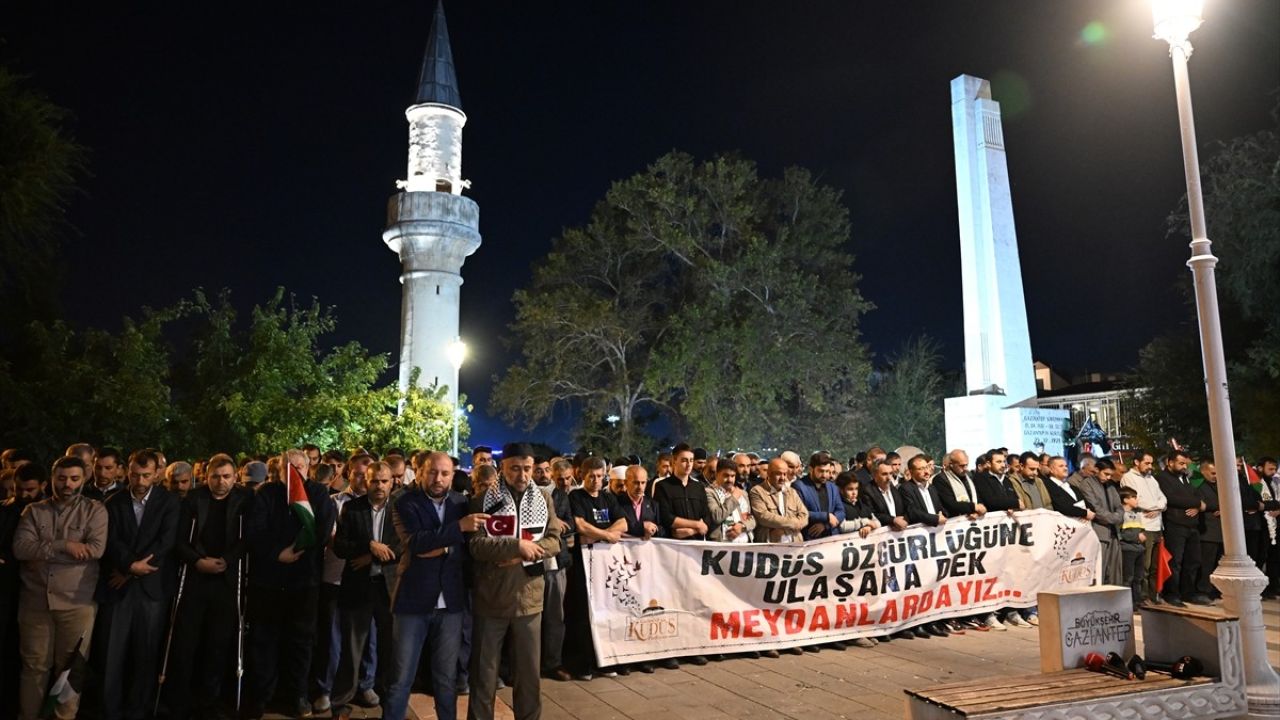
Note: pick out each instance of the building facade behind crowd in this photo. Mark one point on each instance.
(316, 582)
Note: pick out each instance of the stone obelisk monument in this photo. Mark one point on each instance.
(999, 409)
(430, 225)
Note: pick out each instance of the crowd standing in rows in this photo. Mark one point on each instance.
(194, 588)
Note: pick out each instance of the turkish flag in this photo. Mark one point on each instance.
(501, 526)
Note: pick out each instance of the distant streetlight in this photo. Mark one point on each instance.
(1237, 576)
(457, 352)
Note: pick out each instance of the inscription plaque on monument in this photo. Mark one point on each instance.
(1074, 623)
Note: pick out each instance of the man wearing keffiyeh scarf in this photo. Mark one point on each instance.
(509, 557)
(530, 513)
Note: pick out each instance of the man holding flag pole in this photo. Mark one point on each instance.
(284, 521)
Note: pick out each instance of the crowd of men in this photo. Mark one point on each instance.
(193, 589)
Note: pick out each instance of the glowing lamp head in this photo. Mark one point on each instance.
(457, 352)
(1176, 19)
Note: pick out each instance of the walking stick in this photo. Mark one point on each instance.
(173, 619)
(240, 602)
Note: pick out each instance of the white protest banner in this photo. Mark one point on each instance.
(663, 598)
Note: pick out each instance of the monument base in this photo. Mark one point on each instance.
(978, 423)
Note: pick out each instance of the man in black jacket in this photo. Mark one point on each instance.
(108, 475)
(682, 499)
(29, 482)
(1210, 530)
(135, 586)
(995, 488)
(956, 488)
(208, 612)
(367, 541)
(644, 524)
(1066, 499)
(556, 581)
(285, 567)
(884, 501)
(924, 504)
(924, 507)
(1181, 531)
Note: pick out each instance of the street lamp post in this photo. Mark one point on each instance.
(457, 351)
(1237, 577)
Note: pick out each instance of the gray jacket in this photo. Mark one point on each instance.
(1104, 498)
(51, 578)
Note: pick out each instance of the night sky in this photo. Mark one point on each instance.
(255, 146)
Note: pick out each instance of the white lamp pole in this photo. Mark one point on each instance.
(457, 351)
(1237, 577)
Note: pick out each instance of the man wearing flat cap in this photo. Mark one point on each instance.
(510, 554)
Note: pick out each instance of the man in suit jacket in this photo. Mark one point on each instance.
(1066, 499)
(556, 580)
(107, 475)
(1210, 530)
(135, 585)
(820, 496)
(638, 509)
(996, 490)
(924, 504)
(29, 482)
(779, 514)
(367, 541)
(430, 594)
(884, 501)
(285, 570)
(208, 610)
(1181, 530)
(924, 507)
(1100, 488)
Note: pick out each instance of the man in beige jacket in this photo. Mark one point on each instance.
(59, 542)
(780, 515)
(509, 557)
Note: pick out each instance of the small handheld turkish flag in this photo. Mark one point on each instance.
(501, 525)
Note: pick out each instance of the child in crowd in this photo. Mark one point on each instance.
(857, 519)
(1131, 539)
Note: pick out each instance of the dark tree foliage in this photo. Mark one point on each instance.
(193, 380)
(40, 164)
(1242, 209)
(724, 300)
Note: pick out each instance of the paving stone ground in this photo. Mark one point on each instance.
(866, 684)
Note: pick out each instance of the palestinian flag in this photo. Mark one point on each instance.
(296, 488)
(66, 684)
(1252, 474)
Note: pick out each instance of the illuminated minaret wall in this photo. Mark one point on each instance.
(430, 225)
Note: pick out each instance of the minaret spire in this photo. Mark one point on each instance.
(436, 119)
(438, 83)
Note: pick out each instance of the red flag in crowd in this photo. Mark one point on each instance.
(1163, 572)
